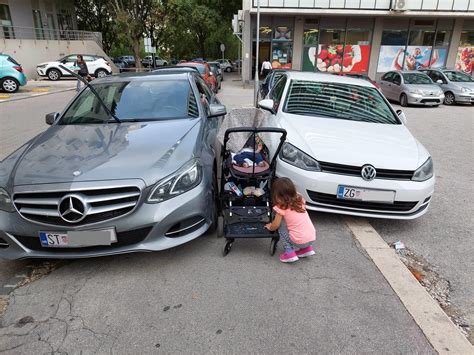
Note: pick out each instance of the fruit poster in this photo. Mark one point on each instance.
(465, 60)
(338, 58)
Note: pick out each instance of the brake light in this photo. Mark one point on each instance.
(18, 68)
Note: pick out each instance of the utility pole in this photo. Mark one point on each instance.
(256, 55)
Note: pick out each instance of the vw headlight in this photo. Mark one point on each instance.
(292, 155)
(424, 172)
(6, 202)
(465, 90)
(185, 179)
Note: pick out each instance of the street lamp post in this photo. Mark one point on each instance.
(256, 55)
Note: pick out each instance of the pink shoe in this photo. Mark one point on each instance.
(288, 257)
(302, 253)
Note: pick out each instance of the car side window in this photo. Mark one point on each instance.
(387, 77)
(396, 79)
(204, 93)
(277, 92)
(435, 76)
(89, 58)
(71, 58)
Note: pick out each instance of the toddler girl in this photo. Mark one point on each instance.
(297, 230)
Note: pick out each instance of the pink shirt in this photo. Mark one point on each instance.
(299, 225)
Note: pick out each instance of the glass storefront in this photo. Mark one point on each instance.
(339, 46)
(423, 45)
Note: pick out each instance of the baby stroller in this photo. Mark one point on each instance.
(245, 189)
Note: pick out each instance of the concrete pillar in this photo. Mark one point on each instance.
(247, 48)
(454, 44)
(297, 61)
(375, 47)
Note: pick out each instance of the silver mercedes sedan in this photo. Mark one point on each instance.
(128, 166)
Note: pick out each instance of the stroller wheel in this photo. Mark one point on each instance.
(273, 246)
(220, 227)
(227, 247)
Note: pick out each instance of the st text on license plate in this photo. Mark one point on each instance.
(361, 194)
(77, 239)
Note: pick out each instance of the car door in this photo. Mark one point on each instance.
(396, 87)
(68, 62)
(386, 85)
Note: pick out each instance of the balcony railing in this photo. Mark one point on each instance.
(16, 32)
(414, 5)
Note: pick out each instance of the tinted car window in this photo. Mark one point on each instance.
(417, 78)
(277, 91)
(458, 76)
(338, 101)
(140, 100)
(396, 79)
(11, 60)
(388, 77)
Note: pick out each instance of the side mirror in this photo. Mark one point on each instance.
(267, 105)
(216, 110)
(51, 118)
(402, 117)
(210, 73)
(439, 81)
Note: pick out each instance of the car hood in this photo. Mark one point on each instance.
(467, 84)
(48, 63)
(427, 87)
(384, 146)
(70, 153)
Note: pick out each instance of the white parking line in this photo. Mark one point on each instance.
(438, 328)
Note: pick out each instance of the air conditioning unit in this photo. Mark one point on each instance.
(399, 5)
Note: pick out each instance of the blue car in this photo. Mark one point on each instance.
(11, 74)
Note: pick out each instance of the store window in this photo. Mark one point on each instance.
(465, 55)
(282, 47)
(38, 22)
(6, 22)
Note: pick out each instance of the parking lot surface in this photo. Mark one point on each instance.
(192, 298)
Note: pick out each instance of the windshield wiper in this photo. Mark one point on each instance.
(110, 113)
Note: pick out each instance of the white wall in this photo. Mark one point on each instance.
(29, 53)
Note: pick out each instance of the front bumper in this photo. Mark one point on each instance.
(428, 100)
(464, 97)
(41, 71)
(147, 228)
(319, 189)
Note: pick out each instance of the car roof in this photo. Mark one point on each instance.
(327, 78)
(142, 76)
(177, 69)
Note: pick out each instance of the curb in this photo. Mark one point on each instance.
(438, 328)
(35, 95)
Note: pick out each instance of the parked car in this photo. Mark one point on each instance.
(11, 74)
(362, 76)
(411, 88)
(205, 71)
(96, 65)
(129, 59)
(269, 82)
(347, 150)
(148, 60)
(121, 65)
(217, 71)
(137, 176)
(226, 65)
(456, 85)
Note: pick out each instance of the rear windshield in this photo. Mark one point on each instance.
(134, 100)
(338, 101)
(11, 60)
(458, 77)
(416, 78)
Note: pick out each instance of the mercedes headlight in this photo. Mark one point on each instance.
(292, 155)
(6, 202)
(424, 172)
(183, 180)
(465, 90)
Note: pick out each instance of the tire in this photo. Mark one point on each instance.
(220, 227)
(403, 100)
(449, 98)
(215, 197)
(101, 73)
(228, 70)
(273, 246)
(9, 85)
(227, 247)
(54, 74)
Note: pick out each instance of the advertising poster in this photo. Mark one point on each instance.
(418, 57)
(465, 59)
(337, 58)
(390, 58)
(441, 54)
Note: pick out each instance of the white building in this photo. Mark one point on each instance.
(364, 36)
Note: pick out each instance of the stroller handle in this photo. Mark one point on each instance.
(255, 130)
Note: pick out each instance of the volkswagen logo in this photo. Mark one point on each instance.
(368, 172)
(72, 208)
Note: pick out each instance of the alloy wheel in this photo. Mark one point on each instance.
(101, 73)
(53, 75)
(449, 98)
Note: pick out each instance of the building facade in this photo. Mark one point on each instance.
(359, 36)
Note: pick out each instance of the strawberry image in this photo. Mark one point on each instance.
(323, 54)
(347, 61)
(327, 61)
(332, 53)
(335, 61)
(339, 48)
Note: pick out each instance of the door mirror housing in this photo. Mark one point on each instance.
(217, 110)
(267, 105)
(402, 117)
(51, 118)
(439, 81)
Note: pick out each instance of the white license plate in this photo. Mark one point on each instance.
(77, 239)
(361, 194)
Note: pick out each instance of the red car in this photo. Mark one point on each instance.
(205, 72)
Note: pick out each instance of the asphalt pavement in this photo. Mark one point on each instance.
(191, 299)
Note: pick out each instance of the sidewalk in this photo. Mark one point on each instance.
(38, 88)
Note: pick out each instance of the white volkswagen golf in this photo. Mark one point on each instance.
(347, 150)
